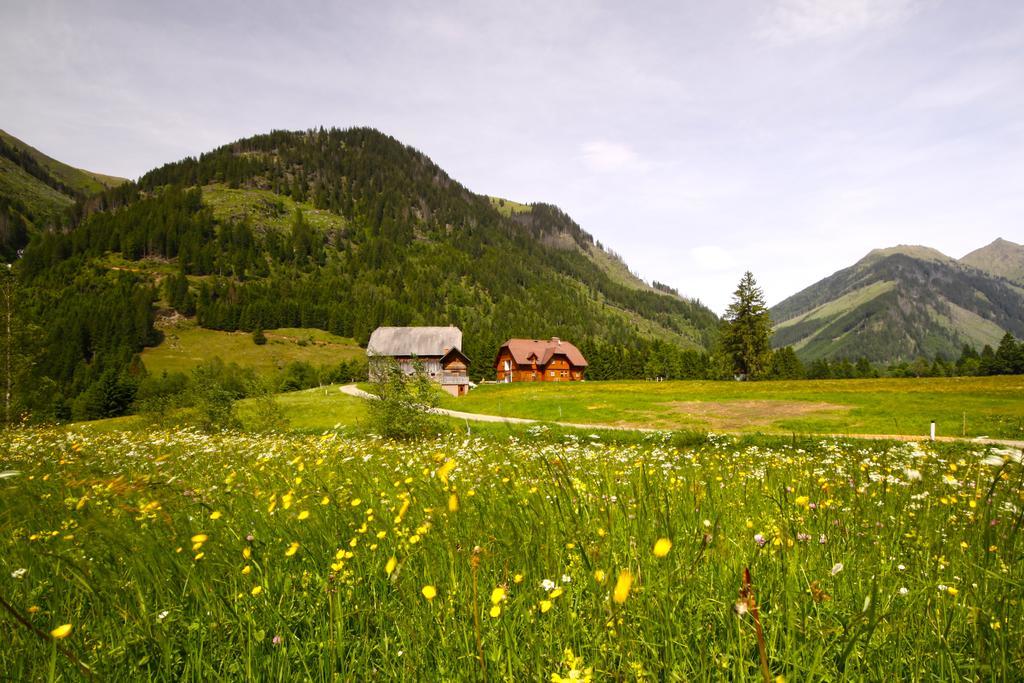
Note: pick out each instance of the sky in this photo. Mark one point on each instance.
(695, 139)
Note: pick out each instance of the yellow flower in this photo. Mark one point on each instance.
(496, 611)
(291, 549)
(246, 553)
(356, 502)
(545, 605)
(497, 595)
(61, 631)
(444, 470)
(622, 586)
(599, 575)
(952, 591)
(325, 500)
(200, 556)
(518, 578)
(200, 538)
(246, 569)
(256, 590)
(303, 515)
(390, 566)
(215, 514)
(802, 501)
(661, 547)
(555, 593)
(429, 592)
(453, 503)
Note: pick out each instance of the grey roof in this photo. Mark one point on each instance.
(414, 341)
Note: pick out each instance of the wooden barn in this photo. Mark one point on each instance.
(533, 360)
(437, 349)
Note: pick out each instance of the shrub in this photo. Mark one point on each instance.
(404, 402)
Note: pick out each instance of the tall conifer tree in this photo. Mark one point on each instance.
(746, 334)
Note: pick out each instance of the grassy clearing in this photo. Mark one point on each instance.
(507, 207)
(993, 406)
(186, 345)
(174, 555)
(267, 210)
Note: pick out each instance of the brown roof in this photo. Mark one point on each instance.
(543, 350)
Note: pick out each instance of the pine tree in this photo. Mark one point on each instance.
(746, 333)
(785, 364)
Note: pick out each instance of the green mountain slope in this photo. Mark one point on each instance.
(38, 192)
(898, 304)
(343, 231)
(1002, 258)
(78, 181)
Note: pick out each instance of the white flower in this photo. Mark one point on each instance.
(18, 573)
(836, 568)
(993, 461)
(566, 578)
(942, 587)
(903, 590)
(547, 584)
(912, 475)
(901, 567)
(162, 615)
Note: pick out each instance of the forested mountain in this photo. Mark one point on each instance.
(899, 304)
(341, 230)
(37, 192)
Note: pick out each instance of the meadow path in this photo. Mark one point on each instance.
(353, 390)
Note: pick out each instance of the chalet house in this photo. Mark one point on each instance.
(437, 349)
(532, 360)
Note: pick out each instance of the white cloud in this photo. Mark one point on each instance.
(791, 21)
(601, 155)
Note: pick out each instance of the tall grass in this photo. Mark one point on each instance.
(183, 556)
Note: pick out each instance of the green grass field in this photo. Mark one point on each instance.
(317, 409)
(186, 345)
(992, 406)
(177, 555)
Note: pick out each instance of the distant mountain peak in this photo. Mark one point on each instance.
(907, 301)
(917, 251)
(1001, 258)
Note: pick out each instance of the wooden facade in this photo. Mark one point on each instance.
(532, 360)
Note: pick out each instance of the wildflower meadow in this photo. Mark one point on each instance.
(178, 555)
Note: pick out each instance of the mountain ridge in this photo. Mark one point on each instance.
(339, 230)
(898, 303)
(1001, 257)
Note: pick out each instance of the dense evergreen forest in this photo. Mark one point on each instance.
(414, 248)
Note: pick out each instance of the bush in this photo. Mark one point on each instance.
(258, 338)
(264, 414)
(214, 389)
(403, 405)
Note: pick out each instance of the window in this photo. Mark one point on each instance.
(551, 373)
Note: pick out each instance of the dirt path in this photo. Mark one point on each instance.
(353, 390)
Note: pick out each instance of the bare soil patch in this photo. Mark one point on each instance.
(735, 415)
